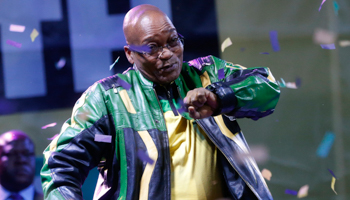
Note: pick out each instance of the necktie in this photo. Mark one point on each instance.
(15, 196)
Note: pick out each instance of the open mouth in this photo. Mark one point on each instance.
(167, 68)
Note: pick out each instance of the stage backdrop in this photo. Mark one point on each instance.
(42, 77)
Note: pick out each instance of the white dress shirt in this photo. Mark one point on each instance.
(27, 193)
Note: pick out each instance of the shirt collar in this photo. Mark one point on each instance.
(27, 193)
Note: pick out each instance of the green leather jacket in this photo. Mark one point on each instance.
(111, 122)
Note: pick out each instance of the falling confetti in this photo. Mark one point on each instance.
(144, 157)
(303, 191)
(274, 41)
(242, 49)
(103, 138)
(123, 83)
(264, 52)
(336, 7)
(34, 34)
(332, 185)
(330, 171)
(298, 82)
(326, 144)
(327, 46)
(321, 5)
(143, 48)
(344, 43)
(322, 36)
(49, 125)
(266, 174)
(61, 63)
(13, 43)
(221, 73)
(291, 85)
(291, 192)
(226, 44)
(112, 65)
(52, 138)
(17, 28)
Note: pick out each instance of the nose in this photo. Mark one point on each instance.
(165, 53)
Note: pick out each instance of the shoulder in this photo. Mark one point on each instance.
(117, 80)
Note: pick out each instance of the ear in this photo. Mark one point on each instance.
(129, 55)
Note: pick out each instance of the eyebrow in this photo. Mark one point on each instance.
(151, 38)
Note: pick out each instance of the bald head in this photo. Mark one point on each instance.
(12, 136)
(140, 17)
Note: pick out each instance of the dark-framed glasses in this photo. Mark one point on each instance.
(155, 51)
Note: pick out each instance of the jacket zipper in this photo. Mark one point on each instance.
(166, 135)
(253, 190)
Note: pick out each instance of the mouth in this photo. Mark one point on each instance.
(167, 68)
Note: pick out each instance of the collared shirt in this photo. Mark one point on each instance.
(27, 194)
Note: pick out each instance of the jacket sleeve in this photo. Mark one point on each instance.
(242, 92)
(70, 156)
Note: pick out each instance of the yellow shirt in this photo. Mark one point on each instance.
(194, 169)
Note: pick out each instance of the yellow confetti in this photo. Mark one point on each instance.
(303, 191)
(34, 34)
(332, 185)
(266, 174)
(226, 44)
(344, 43)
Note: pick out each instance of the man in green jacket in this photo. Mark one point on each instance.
(163, 129)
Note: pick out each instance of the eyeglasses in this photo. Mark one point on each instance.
(155, 51)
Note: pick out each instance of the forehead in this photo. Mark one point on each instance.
(19, 145)
(154, 25)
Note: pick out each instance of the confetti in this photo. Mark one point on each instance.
(344, 43)
(303, 191)
(112, 65)
(221, 73)
(17, 28)
(226, 44)
(242, 49)
(291, 85)
(274, 41)
(330, 171)
(13, 43)
(291, 192)
(321, 5)
(332, 185)
(322, 36)
(140, 49)
(124, 84)
(34, 34)
(61, 63)
(264, 52)
(336, 7)
(103, 138)
(266, 174)
(326, 144)
(52, 138)
(144, 157)
(298, 82)
(49, 125)
(327, 46)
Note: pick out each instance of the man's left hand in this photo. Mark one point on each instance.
(201, 103)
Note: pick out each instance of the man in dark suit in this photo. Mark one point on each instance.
(17, 167)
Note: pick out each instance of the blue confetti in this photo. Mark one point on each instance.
(328, 46)
(144, 157)
(264, 53)
(274, 41)
(140, 49)
(330, 171)
(326, 144)
(291, 192)
(336, 7)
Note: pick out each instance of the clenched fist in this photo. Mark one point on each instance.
(201, 103)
